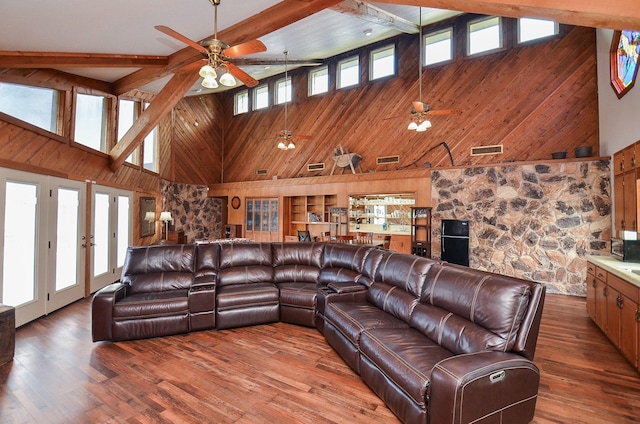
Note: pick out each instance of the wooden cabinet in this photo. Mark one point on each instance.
(261, 221)
(624, 189)
(614, 305)
(400, 243)
(421, 231)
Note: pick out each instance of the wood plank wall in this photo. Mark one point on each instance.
(533, 99)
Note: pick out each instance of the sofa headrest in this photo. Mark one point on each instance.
(407, 272)
(343, 255)
(161, 258)
(207, 260)
(244, 254)
(297, 254)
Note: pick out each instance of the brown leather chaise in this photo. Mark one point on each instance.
(438, 343)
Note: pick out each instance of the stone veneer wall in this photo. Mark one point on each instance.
(192, 210)
(530, 221)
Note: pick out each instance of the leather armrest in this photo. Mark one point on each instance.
(102, 309)
(346, 287)
(326, 295)
(467, 387)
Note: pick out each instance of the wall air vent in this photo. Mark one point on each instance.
(487, 150)
(385, 160)
(315, 166)
(262, 171)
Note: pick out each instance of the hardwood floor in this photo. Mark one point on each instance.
(273, 373)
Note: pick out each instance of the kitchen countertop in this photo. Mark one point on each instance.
(618, 268)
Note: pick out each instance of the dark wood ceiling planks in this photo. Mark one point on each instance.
(534, 100)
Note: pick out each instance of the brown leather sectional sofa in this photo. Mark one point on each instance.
(439, 343)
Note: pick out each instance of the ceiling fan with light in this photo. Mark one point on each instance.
(419, 110)
(285, 137)
(219, 55)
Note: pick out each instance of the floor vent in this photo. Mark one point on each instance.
(385, 160)
(262, 171)
(315, 166)
(487, 150)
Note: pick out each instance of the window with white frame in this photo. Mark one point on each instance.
(241, 102)
(150, 149)
(484, 35)
(261, 97)
(127, 115)
(90, 121)
(319, 80)
(438, 47)
(383, 62)
(348, 72)
(283, 91)
(532, 29)
(35, 105)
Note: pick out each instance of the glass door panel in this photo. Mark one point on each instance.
(101, 227)
(124, 232)
(67, 240)
(19, 284)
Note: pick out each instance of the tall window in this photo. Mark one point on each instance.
(127, 114)
(37, 106)
(90, 124)
(532, 29)
(261, 97)
(150, 149)
(484, 35)
(319, 80)
(283, 91)
(241, 102)
(349, 72)
(438, 47)
(383, 62)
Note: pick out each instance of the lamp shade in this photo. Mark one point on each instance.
(227, 80)
(165, 216)
(412, 126)
(209, 82)
(282, 146)
(208, 71)
(150, 216)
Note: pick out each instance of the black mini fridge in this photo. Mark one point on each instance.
(455, 241)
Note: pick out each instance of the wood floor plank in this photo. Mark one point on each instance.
(276, 373)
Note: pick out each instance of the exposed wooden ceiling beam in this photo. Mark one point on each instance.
(280, 15)
(78, 60)
(619, 14)
(164, 101)
(375, 15)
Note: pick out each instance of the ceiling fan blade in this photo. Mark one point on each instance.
(247, 79)
(302, 137)
(418, 106)
(171, 33)
(250, 47)
(445, 112)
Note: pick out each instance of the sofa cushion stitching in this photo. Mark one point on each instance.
(409, 274)
(442, 325)
(472, 310)
(433, 286)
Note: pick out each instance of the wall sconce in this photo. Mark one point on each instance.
(166, 217)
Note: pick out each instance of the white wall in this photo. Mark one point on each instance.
(619, 118)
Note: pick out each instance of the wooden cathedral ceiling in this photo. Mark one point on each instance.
(623, 14)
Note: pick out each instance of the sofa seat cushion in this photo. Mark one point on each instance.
(150, 305)
(351, 319)
(301, 295)
(405, 356)
(246, 295)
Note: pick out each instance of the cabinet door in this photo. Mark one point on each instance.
(592, 285)
(618, 163)
(613, 315)
(601, 305)
(628, 329)
(618, 206)
(630, 200)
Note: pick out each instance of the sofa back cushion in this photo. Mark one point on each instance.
(296, 262)
(467, 310)
(245, 263)
(397, 285)
(342, 263)
(158, 268)
(207, 261)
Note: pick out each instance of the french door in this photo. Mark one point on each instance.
(41, 226)
(110, 234)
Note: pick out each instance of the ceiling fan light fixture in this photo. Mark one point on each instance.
(282, 146)
(227, 80)
(208, 71)
(210, 82)
(423, 126)
(291, 145)
(412, 126)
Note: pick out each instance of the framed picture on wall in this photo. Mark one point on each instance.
(147, 216)
(625, 47)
